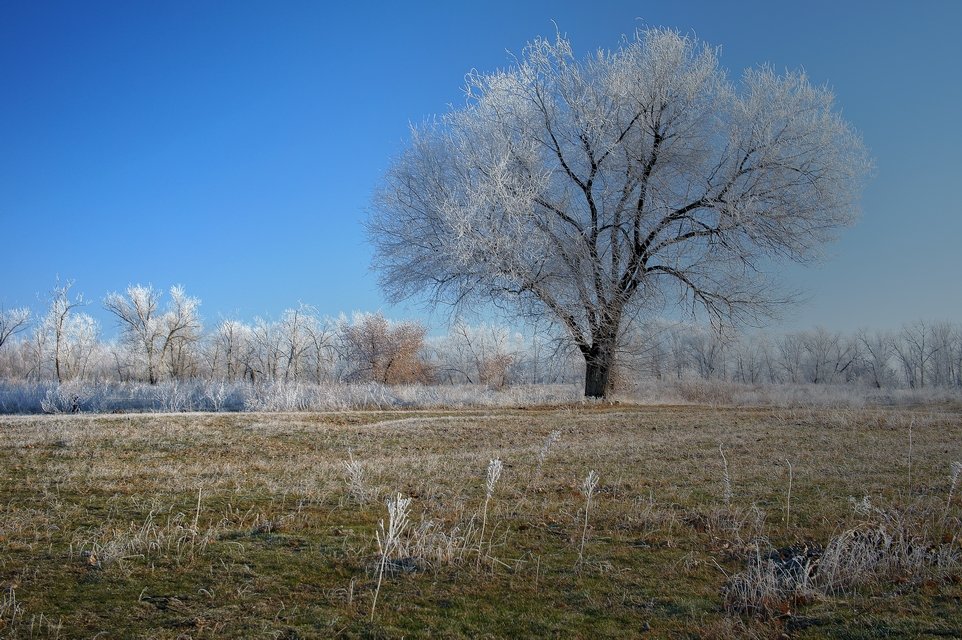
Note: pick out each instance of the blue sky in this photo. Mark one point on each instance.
(233, 147)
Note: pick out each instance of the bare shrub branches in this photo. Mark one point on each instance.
(384, 351)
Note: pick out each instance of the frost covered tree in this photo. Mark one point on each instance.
(64, 342)
(78, 346)
(59, 326)
(877, 349)
(482, 354)
(268, 348)
(915, 348)
(930, 354)
(297, 347)
(157, 338)
(229, 351)
(829, 355)
(592, 190)
(708, 350)
(12, 322)
(944, 366)
(321, 353)
(300, 329)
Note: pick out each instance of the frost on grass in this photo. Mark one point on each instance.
(178, 538)
(355, 479)
(174, 396)
(588, 486)
(887, 546)
(123, 490)
(388, 537)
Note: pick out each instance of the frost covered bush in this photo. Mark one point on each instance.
(63, 398)
(217, 395)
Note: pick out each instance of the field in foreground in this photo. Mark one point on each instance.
(705, 522)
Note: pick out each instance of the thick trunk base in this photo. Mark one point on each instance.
(598, 366)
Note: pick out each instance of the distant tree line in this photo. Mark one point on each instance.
(162, 337)
(920, 354)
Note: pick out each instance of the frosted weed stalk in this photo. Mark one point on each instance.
(956, 470)
(788, 500)
(552, 438)
(354, 478)
(387, 538)
(494, 474)
(10, 609)
(588, 486)
(727, 492)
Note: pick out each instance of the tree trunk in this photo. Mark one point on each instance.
(56, 350)
(151, 370)
(599, 363)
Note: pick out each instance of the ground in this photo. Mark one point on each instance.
(257, 525)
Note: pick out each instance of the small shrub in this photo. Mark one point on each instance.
(357, 487)
(773, 583)
(64, 398)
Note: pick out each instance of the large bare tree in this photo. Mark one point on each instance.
(589, 190)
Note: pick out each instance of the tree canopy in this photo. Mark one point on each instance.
(591, 190)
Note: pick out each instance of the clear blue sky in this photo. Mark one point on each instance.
(233, 147)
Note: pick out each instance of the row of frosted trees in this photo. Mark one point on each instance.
(919, 355)
(161, 337)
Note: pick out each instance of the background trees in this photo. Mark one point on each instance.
(12, 322)
(303, 348)
(158, 341)
(65, 338)
(482, 354)
(930, 354)
(379, 350)
(167, 338)
(228, 351)
(876, 349)
(592, 190)
(297, 347)
(64, 345)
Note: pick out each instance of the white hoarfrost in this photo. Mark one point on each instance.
(589, 190)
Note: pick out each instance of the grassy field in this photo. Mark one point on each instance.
(705, 522)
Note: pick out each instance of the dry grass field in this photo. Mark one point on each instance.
(705, 522)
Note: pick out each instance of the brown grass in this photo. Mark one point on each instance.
(101, 529)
